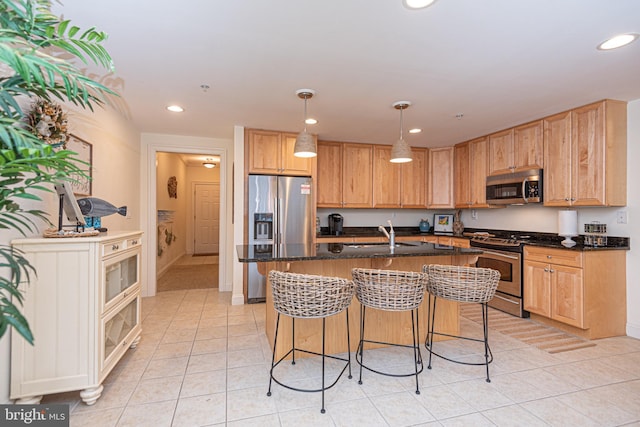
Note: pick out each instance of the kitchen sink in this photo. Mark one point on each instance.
(378, 244)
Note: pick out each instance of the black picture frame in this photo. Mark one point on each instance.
(443, 224)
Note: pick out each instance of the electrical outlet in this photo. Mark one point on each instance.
(474, 214)
(621, 216)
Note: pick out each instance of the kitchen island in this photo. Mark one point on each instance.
(337, 260)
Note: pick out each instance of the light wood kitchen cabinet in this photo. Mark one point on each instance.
(329, 181)
(271, 152)
(387, 179)
(345, 175)
(516, 149)
(583, 292)
(399, 185)
(415, 179)
(470, 171)
(440, 181)
(585, 156)
(84, 310)
(357, 175)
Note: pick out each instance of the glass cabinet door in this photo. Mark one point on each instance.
(118, 327)
(120, 274)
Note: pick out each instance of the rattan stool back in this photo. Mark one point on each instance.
(309, 296)
(462, 284)
(389, 290)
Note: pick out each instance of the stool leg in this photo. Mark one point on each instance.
(361, 344)
(415, 346)
(322, 410)
(293, 340)
(485, 325)
(348, 345)
(273, 354)
(430, 334)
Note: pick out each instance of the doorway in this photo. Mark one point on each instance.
(188, 218)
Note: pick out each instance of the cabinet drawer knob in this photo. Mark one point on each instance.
(552, 271)
(548, 256)
(115, 247)
(546, 270)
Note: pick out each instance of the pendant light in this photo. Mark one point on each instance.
(400, 150)
(305, 142)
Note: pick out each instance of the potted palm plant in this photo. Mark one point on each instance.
(32, 72)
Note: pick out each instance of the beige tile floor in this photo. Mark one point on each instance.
(203, 362)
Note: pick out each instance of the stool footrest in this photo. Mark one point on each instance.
(328, 356)
(461, 362)
(368, 368)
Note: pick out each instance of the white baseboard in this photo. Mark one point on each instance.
(633, 330)
(237, 299)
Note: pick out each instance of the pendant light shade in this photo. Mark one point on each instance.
(305, 142)
(400, 150)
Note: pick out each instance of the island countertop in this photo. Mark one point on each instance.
(335, 251)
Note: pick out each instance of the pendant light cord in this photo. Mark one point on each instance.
(401, 108)
(305, 113)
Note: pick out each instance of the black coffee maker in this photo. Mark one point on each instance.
(335, 224)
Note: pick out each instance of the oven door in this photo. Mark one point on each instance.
(508, 296)
(509, 266)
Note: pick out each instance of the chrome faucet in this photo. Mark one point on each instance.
(391, 235)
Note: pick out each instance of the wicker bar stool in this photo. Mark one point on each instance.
(304, 296)
(390, 291)
(461, 284)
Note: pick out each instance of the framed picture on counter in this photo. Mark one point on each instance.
(443, 224)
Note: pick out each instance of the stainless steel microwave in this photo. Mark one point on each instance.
(515, 188)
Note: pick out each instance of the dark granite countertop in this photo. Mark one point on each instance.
(328, 251)
(548, 240)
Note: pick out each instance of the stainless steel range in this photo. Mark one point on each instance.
(505, 255)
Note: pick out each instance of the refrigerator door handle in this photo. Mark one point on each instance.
(277, 233)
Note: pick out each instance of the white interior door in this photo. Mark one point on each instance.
(206, 218)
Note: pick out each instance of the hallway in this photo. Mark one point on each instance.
(190, 272)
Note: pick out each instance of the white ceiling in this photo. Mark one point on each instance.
(498, 62)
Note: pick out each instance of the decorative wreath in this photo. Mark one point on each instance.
(49, 123)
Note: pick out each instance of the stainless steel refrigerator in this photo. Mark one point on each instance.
(280, 212)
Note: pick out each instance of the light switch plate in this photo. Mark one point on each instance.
(621, 216)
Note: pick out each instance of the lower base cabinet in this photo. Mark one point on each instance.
(83, 308)
(583, 292)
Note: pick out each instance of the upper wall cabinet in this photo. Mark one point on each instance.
(270, 152)
(470, 171)
(516, 149)
(399, 185)
(344, 175)
(357, 175)
(387, 178)
(415, 179)
(440, 182)
(329, 185)
(585, 154)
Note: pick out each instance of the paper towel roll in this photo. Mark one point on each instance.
(567, 223)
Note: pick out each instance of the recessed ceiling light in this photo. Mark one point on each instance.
(416, 130)
(417, 4)
(617, 41)
(311, 121)
(175, 108)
